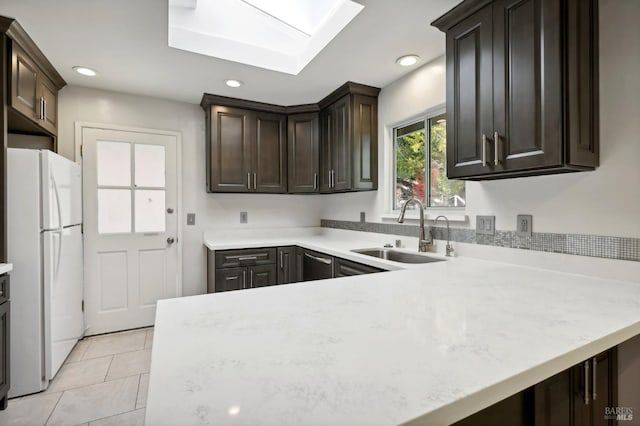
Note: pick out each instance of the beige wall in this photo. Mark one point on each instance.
(212, 210)
(603, 202)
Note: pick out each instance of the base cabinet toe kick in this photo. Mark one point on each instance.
(242, 269)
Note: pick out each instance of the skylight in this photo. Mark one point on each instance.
(283, 35)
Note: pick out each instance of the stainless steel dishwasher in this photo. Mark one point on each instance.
(316, 266)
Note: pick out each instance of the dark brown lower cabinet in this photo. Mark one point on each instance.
(240, 269)
(4, 341)
(596, 382)
(577, 396)
(553, 399)
(262, 276)
(230, 279)
(243, 278)
(512, 411)
(287, 265)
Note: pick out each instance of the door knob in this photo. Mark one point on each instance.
(170, 240)
(169, 210)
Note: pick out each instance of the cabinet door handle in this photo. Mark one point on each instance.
(249, 181)
(484, 150)
(41, 108)
(251, 278)
(496, 143)
(593, 376)
(247, 258)
(586, 383)
(254, 181)
(315, 181)
(244, 279)
(281, 261)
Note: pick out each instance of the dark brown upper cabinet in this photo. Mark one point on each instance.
(304, 152)
(349, 139)
(229, 149)
(270, 153)
(336, 152)
(246, 150)
(34, 86)
(522, 87)
(331, 146)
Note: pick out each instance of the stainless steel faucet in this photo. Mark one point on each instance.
(449, 249)
(423, 243)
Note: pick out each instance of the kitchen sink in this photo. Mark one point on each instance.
(397, 255)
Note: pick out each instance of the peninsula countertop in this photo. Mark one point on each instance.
(429, 344)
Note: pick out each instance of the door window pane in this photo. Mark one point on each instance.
(150, 210)
(113, 163)
(149, 165)
(114, 211)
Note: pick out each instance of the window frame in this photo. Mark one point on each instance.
(425, 119)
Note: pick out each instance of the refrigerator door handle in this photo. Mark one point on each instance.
(60, 229)
(59, 208)
(57, 269)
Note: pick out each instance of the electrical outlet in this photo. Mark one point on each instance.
(485, 225)
(362, 217)
(191, 219)
(524, 225)
(244, 217)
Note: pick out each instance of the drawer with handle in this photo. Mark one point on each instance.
(245, 257)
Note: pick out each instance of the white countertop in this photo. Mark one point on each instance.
(430, 344)
(5, 268)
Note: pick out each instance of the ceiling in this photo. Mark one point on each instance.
(126, 42)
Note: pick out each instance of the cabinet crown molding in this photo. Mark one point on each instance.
(12, 29)
(458, 13)
(347, 88)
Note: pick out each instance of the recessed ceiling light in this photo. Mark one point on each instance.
(407, 60)
(85, 71)
(234, 83)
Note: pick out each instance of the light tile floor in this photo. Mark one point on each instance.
(103, 382)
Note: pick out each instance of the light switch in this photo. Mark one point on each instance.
(191, 219)
(244, 217)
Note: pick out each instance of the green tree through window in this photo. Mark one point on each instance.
(413, 152)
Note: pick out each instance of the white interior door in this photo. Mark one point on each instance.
(130, 226)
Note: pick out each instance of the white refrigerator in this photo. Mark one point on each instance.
(44, 198)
